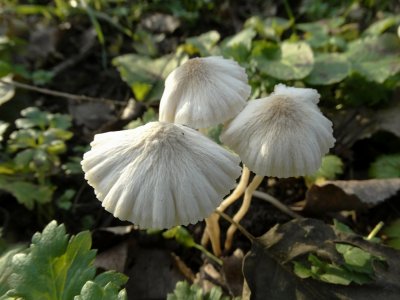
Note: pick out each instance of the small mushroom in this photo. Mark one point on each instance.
(204, 92)
(159, 175)
(282, 135)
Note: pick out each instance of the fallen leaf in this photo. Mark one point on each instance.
(268, 267)
(113, 259)
(338, 195)
(232, 272)
(152, 273)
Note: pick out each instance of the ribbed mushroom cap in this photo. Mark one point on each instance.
(204, 92)
(159, 175)
(282, 135)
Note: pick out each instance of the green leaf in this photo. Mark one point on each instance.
(270, 28)
(238, 46)
(3, 128)
(386, 166)
(6, 267)
(181, 235)
(60, 121)
(298, 260)
(356, 259)
(73, 166)
(27, 193)
(184, 290)
(202, 44)
(331, 167)
(33, 117)
(339, 226)
(289, 61)
(64, 201)
(106, 286)
(376, 57)
(381, 26)
(328, 69)
(145, 75)
(54, 268)
(5, 67)
(21, 139)
(7, 91)
(392, 231)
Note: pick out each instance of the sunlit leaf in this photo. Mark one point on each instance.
(290, 60)
(7, 91)
(146, 75)
(381, 26)
(203, 43)
(57, 267)
(376, 57)
(328, 69)
(3, 128)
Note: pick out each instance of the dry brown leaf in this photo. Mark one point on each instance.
(340, 195)
(114, 258)
(232, 272)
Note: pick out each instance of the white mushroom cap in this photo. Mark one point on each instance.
(204, 92)
(159, 175)
(282, 135)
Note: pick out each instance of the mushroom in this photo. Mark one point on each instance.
(204, 92)
(282, 135)
(159, 175)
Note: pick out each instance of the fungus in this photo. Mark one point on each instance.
(204, 92)
(282, 135)
(159, 175)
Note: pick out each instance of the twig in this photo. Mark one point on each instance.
(276, 203)
(239, 227)
(60, 94)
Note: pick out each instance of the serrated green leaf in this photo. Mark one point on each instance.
(328, 69)
(289, 61)
(386, 166)
(376, 57)
(6, 267)
(94, 291)
(54, 268)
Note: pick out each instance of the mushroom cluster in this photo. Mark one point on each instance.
(167, 173)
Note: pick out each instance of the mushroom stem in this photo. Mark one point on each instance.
(243, 209)
(236, 194)
(214, 233)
